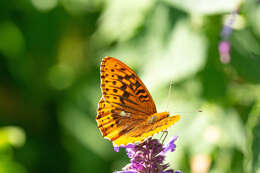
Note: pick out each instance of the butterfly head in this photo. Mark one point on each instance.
(157, 117)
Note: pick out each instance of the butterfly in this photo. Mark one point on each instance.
(126, 112)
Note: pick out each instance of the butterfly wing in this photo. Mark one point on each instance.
(123, 130)
(122, 88)
(145, 130)
(109, 121)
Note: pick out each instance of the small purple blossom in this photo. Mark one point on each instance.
(224, 45)
(170, 146)
(178, 171)
(116, 149)
(226, 31)
(224, 50)
(148, 157)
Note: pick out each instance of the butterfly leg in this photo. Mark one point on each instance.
(166, 134)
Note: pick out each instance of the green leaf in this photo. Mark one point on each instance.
(245, 55)
(253, 131)
(205, 6)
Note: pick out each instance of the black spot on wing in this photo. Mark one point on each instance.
(126, 94)
(120, 78)
(115, 90)
(143, 98)
(127, 77)
(123, 87)
(140, 91)
(137, 85)
(124, 98)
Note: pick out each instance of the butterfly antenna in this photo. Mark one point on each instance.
(169, 95)
(197, 111)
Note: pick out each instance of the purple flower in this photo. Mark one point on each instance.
(226, 31)
(224, 45)
(171, 145)
(224, 50)
(116, 149)
(148, 157)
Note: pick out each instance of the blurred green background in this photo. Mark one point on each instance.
(50, 51)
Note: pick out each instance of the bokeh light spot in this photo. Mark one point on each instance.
(12, 135)
(12, 41)
(44, 5)
(212, 134)
(61, 76)
(200, 163)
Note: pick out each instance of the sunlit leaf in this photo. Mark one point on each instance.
(253, 130)
(78, 7)
(121, 19)
(44, 5)
(206, 6)
(246, 56)
(12, 41)
(183, 56)
(12, 135)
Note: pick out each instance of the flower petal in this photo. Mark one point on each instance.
(168, 171)
(178, 171)
(125, 172)
(116, 149)
(170, 146)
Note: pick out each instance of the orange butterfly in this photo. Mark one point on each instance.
(126, 111)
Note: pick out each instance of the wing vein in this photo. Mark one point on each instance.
(130, 107)
(125, 98)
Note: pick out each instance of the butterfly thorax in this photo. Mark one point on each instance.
(157, 117)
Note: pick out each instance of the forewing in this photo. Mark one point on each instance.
(122, 88)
